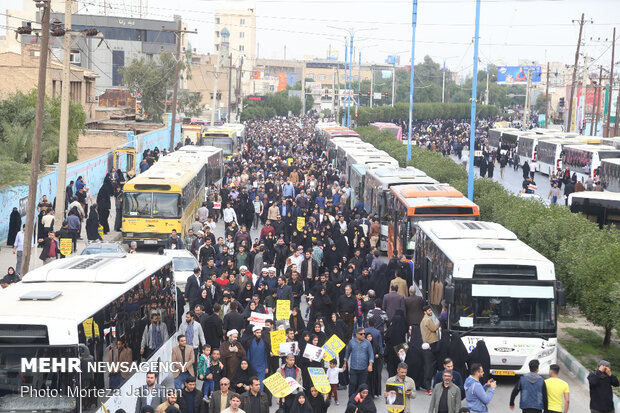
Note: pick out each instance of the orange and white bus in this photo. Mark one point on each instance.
(409, 204)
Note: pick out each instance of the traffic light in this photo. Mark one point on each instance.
(561, 104)
(360, 92)
(368, 93)
(387, 94)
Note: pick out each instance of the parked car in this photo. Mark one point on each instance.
(99, 247)
(183, 264)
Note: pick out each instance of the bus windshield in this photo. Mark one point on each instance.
(225, 143)
(151, 205)
(503, 307)
(13, 381)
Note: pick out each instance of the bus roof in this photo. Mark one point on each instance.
(399, 176)
(199, 149)
(615, 161)
(404, 192)
(598, 196)
(167, 173)
(485, 243)
(85, 283)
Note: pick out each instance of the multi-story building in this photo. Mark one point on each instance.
(241, 24)
(19, 73)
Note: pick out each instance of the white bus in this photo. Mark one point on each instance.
(80, 307)
(586, 159)
(551, 151)
(609, 172)
(336, 152)
(357, 181)
(211, 155)
(497, 289)
(367, 157)
(526, 149)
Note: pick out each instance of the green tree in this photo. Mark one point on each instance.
(190, 104)
(151, 79)
(541, 103)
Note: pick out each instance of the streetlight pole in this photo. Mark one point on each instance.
(359, 82)
(346, 102)
(472, 127)
(443, 83)
(350, 84)
(414, 21)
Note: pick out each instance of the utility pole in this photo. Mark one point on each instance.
(617, 114)
(393, 80)
(36, 140)
(179, 40)
(597, 101)
(350, 81)
(359, 83)
(372, 84)
(63, 141)
(333, 90)
(229, 85)
(583, 94)
(303, 88)
(239, 84)
(472, 127)
(547, 98)
(443, 83)
(223, 52)
(526, 105)
(611, 81)
(346, 102)
(486, 95)
(572, 85)
(414, 22)
(338, 98)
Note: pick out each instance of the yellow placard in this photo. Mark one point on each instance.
(301, 223)
(66, 246)
(283, 310)
(319, 379)
(277, 385)
(395, 401)
(332, 347)
(277, 337)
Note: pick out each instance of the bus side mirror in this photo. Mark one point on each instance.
(448, 294)
(561, 294)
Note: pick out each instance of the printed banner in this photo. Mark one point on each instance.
(66, 246)
(277, 337)
(313, 353)
(332, 347)
(319, 379)
(283, 310)
(301, 223)
(259, 319)
(517, 75)
(395, 399)
(277, 385)
(281, 81)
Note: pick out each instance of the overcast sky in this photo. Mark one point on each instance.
(539, 30)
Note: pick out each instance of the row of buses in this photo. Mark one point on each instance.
(399, 197)
(548, 151)
(228, 136)
(496, 288)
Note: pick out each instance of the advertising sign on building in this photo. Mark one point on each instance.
(517, 75)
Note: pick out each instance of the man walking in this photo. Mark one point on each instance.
(254, 400)
(183, 354)
(359, 350)
(18, 249)
(557, 391)
(429, 328)
(446, 395)
(477, 395)
(532, 388)
(194, 335)
(151, 394)
(402, 378)
(220, 399)
(601, 395)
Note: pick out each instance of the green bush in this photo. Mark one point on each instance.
(422, 111)
(586, 259)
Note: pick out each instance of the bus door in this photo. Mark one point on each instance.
(125, 160)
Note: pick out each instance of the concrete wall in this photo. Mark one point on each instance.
(93, 170)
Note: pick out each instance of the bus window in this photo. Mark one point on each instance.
(137, 204)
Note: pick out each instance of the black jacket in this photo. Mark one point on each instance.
(601, 394)
(196, 395)
(247, 407)
(45, 250)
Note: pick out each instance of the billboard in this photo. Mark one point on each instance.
(282, 79)
(517, 75)
(392, 60)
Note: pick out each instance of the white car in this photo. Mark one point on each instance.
(183, 264)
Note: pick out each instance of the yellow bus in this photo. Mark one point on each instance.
(225, 138)
(163, 198)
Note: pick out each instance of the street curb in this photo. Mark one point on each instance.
(575, 367)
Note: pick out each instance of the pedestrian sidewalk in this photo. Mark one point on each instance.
(8, 259)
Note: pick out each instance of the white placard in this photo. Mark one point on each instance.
(313, 353)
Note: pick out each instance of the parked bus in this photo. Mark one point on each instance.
(585, 159)
(221, 138)
(609, 174)
(345, 145)
(497, 289)
(501, 139)
(377, 184)
(527, 148)
(210, 156)
(357, 181)
(551, 151)
(602, 208)
(239, 128)
(396, 130)
(366, 157)
(76, 309)
(409, 204)
(163, 198)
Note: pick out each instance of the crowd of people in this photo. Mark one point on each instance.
(318, 251)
